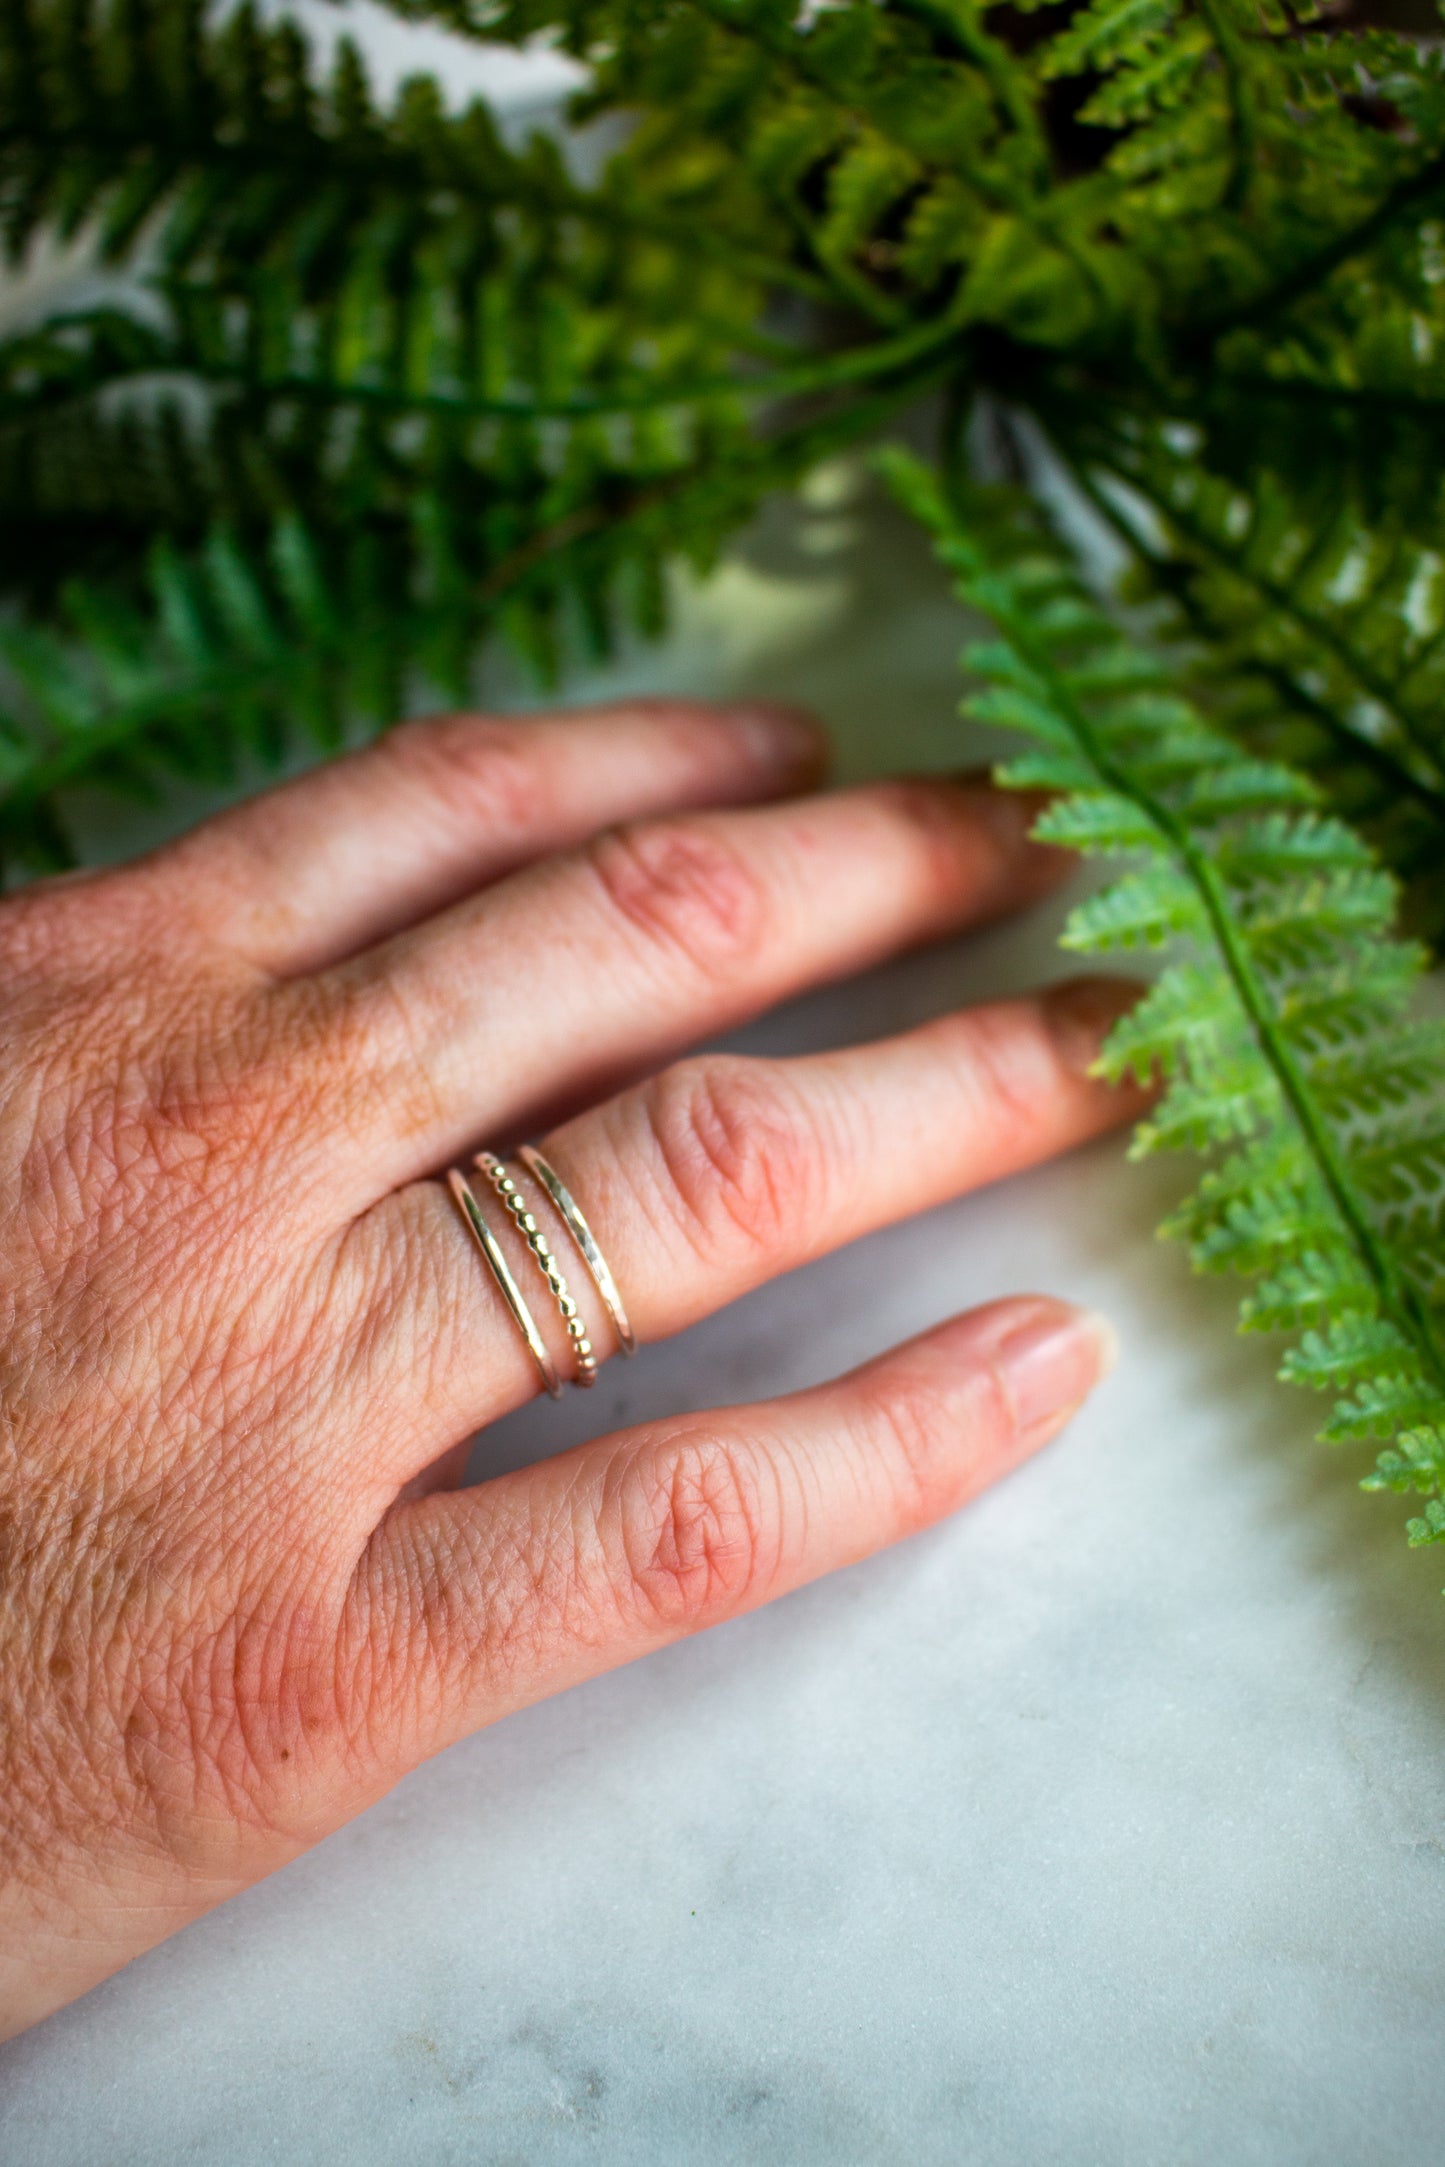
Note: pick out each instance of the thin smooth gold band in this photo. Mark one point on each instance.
(525, 1222)
(569, 1212)
(511, 1293)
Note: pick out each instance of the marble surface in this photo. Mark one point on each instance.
(1103, 1824)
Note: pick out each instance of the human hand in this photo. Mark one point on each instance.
(245, 1333)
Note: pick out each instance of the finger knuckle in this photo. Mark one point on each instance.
(697, 1537)
(404, 1291)
(1010, 1066)
(471, 764)
(742, 1154)
(683, 888)
(935, 1433)
(930, 823)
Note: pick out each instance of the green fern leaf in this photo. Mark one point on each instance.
(1277, 1026)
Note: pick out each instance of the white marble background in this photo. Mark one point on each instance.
(1105, 1824)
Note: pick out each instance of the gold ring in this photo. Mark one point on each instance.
(525, 1222)
(487, 1242)
(570, 1213)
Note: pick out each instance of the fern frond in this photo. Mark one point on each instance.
(230, 649)
(239, 647)
(1317, 634)
(1316, 1139)
(223, 145)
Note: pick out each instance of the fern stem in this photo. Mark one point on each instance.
(385, 171)
(832, 372)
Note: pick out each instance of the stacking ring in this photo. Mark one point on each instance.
(547, 1264)
(501, 1271)
(570, 1213)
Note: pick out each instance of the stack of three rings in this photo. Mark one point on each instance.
(525, 1221)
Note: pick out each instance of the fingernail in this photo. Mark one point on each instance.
(1081, 1012)
(1050, 1361)
(783, 737)
(1009, 815)
(1022, 805)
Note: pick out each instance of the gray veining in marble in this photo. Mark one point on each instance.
(1104, 1825)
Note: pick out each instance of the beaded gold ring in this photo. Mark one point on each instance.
(526, 1224)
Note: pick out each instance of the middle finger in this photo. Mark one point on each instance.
(548, 988)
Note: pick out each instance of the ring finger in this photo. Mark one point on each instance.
(714, 1177)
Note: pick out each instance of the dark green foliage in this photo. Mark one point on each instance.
(1319, 629)
(231, 647)
(371, 387)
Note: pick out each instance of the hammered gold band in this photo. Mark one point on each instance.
(501, 1271)
(526, 1224)
(569, 1211)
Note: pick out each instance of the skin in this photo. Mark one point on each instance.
(244, 1335)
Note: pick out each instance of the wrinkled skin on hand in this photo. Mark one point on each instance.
(244, 1336)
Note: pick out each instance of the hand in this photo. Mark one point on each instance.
(245, 1333)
